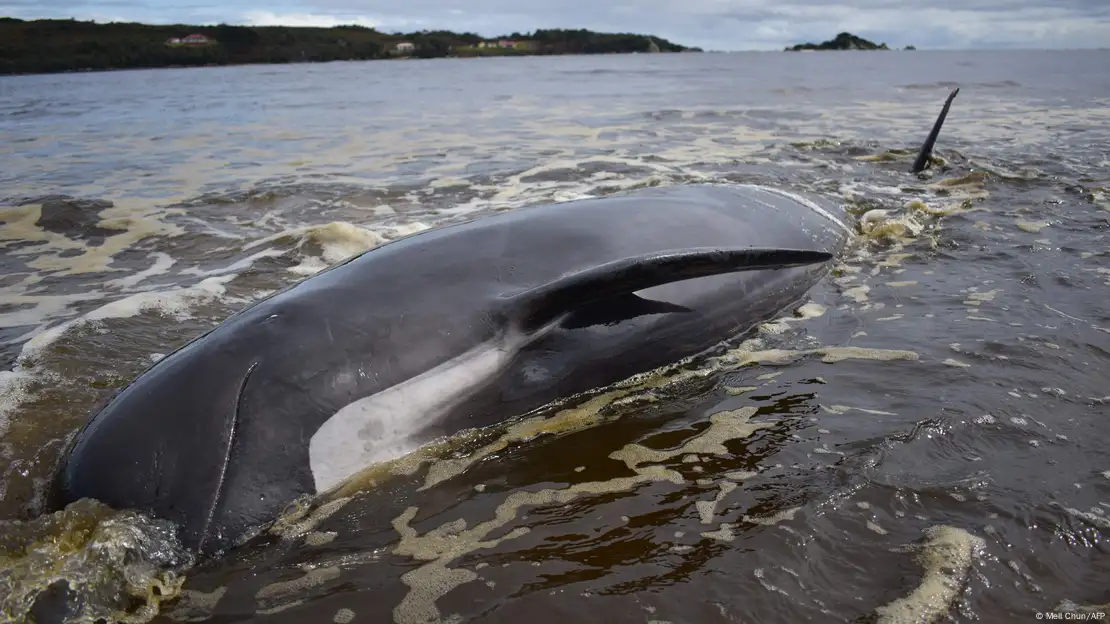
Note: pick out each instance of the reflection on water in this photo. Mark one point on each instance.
(920, 441)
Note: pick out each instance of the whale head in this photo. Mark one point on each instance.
(162, 444)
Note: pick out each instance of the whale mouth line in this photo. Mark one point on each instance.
(231, 431)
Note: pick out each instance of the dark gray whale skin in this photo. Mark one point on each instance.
(215, 437)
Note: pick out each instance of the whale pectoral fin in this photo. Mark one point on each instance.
(616, 309)
(537, 307)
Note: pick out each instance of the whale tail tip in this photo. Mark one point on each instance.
(922, 160)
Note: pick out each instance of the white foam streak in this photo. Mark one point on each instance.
(236, 267)
(163, 262)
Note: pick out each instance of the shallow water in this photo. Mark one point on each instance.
(924, 440)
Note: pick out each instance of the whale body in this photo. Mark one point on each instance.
(454, 328)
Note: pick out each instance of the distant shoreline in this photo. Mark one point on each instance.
(72, 46)
(104, 70)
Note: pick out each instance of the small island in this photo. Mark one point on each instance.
(843, 41)
(53, 45)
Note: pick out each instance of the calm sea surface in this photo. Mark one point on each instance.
(926, 439)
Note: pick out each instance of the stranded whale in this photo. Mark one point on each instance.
(453, 328)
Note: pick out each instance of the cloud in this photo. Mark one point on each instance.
(711, 24)
(270, 18)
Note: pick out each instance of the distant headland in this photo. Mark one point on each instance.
(47, 46)
(843, 41)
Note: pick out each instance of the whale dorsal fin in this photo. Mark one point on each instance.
(922, 159)
(539, 306)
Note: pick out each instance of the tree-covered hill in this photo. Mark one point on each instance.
(43, 46)
(843, 41)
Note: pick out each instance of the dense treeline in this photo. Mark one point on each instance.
(43, 46)
(557, 41)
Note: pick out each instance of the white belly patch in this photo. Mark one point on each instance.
(383, 426)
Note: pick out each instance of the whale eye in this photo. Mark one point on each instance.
(535, 371)
(531, 370)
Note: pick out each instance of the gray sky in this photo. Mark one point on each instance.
(711, 24)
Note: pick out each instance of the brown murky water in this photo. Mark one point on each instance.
(923, 440)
